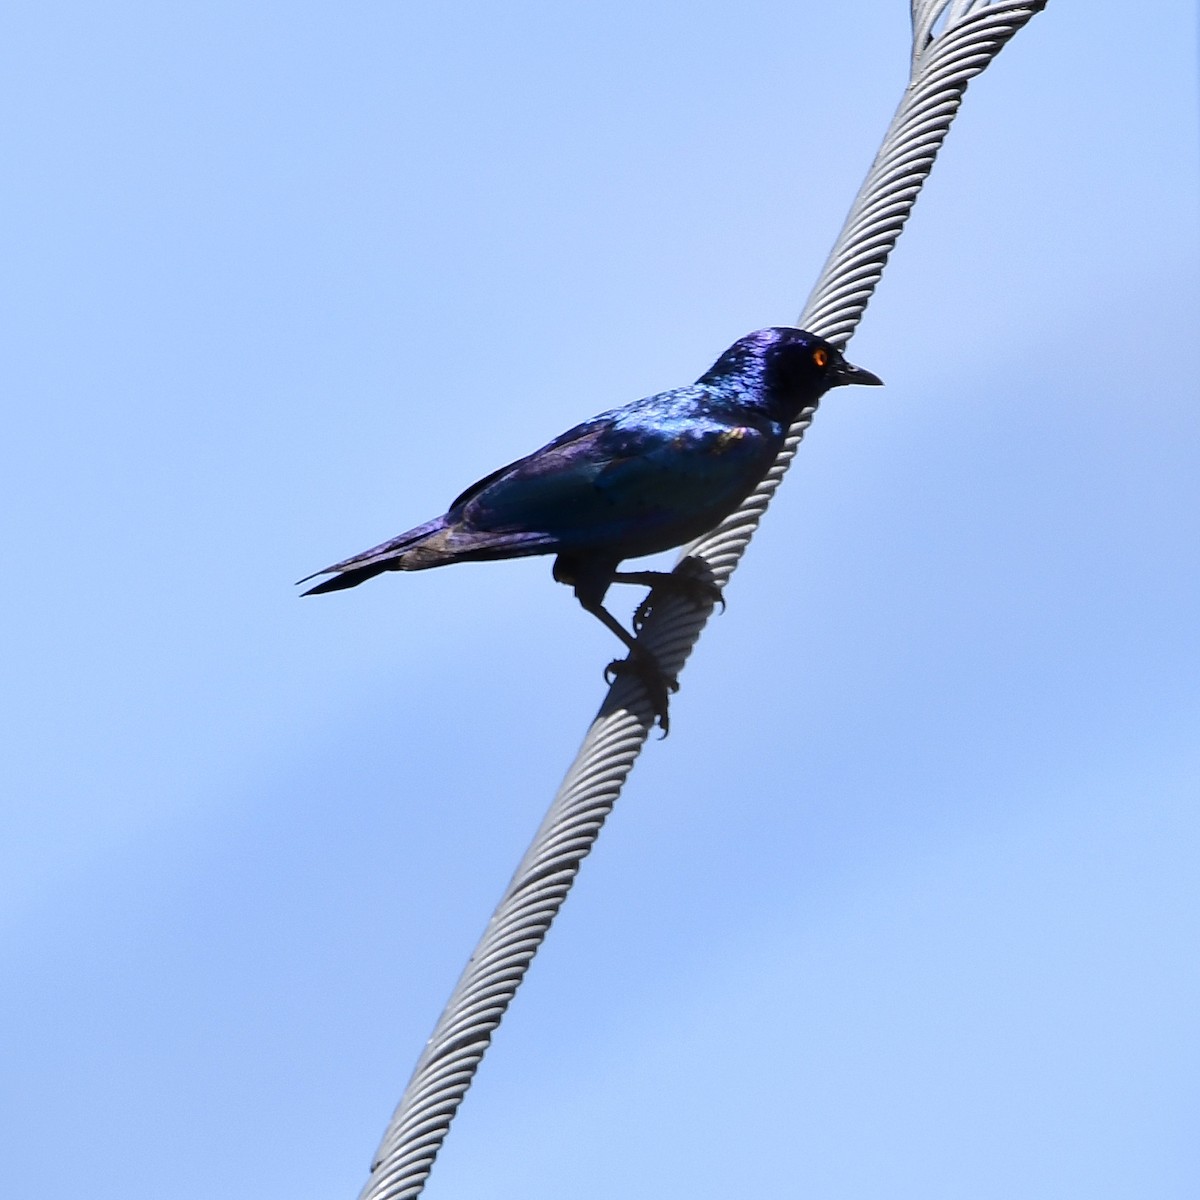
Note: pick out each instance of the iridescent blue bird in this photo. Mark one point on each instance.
(633, 481)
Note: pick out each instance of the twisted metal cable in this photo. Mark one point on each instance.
(953, 40)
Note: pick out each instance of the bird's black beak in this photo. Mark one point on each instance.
(846, 372)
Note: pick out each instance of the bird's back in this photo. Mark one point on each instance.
(631, 481)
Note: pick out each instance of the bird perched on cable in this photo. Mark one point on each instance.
(633, 481)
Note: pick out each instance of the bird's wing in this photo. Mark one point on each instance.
(613, 479)
(706, 465)
(572, 435)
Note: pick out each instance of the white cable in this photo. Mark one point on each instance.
(953, 40)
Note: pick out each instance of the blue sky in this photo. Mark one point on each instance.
(906, 905)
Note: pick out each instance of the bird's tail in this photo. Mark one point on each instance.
(433, 544)
(412, 551)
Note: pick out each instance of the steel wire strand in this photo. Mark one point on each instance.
(972, 33)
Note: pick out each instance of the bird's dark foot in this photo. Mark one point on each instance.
(691, 579)
(658, 686)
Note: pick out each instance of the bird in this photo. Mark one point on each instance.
(632, 481)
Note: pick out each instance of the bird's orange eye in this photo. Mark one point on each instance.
(821, 358)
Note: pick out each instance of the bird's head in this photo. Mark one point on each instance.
(790, 367)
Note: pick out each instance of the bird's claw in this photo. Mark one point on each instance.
(641, 614)
(657, 685)
(681, 582)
